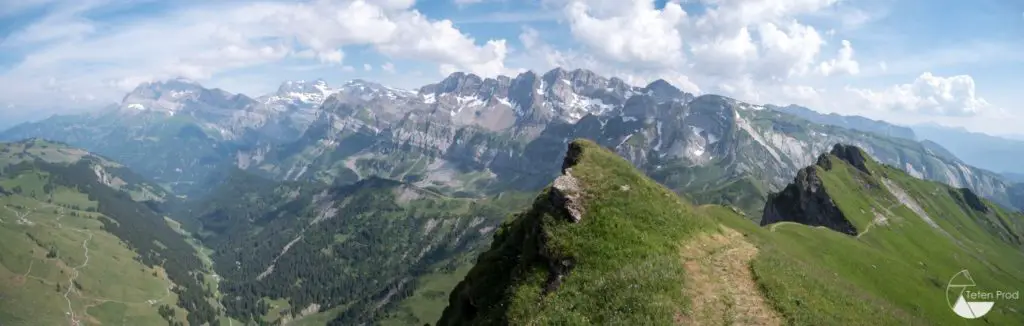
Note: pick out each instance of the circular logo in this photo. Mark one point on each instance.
(959, 290)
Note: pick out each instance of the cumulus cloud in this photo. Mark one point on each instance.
(637, 33)
(951, 96)
(843, 63)
(98, 59)
(787, 51)
(733, 46)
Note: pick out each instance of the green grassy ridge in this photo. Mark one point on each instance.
(895, 273)
(628, 239)
(626, 269)
(34, 149)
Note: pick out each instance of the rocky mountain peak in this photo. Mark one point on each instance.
(663, 91)
(173, 95)
(318, 86)
(459, 82)
(806, 201)
(174, 88)
(578, 78)
(853, 155)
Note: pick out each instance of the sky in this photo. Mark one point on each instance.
(951, 62)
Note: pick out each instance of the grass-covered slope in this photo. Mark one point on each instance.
(910, 237)
(605, 245)
(619, 264)
(80, 242)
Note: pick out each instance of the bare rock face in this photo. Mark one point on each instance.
(566, 192)
(805, 201)
(852, 155)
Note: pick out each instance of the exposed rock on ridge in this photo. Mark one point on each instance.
(852, 155)
(805, 201)
(566, 191)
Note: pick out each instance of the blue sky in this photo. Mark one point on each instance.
(951, 62)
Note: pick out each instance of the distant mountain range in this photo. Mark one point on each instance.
(467, 134)
(978, 149)
(852, 122)
(988, 152)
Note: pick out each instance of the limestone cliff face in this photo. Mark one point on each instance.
(805, 200)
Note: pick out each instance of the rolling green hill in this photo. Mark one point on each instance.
(606, 245)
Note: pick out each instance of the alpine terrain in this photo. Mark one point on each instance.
(849, 242)
(361, 204)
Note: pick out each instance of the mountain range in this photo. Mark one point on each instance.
(363, 203)
(472, 134)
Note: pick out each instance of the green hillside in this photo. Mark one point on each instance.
(640, 256)
(62, 258)
(83, 241)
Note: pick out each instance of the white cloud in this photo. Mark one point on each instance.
(638, 32)
(441, 42)
(788, 51)
(843, 63)
(367, 67)
(388, 67)
(725, 55)
(930, 94)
